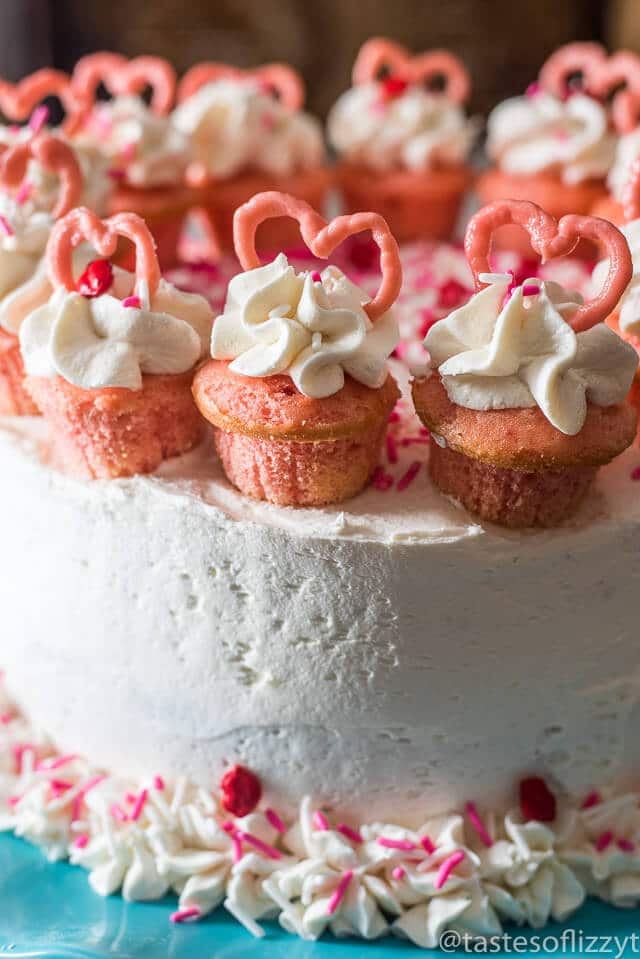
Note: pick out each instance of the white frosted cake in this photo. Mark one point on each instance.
(442, 714)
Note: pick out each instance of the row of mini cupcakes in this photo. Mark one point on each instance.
(222, 134)
(526, 398)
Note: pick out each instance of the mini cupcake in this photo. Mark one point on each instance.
(404, 140)
(148, 156)
(249, 135)
(24, 232)
(555, 145)
(298, 390)
(23, 102)
(526, 395)
(110, 358)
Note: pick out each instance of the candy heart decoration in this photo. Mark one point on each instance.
(321, 238)
(584, 59)
(622, 69)
(379, 56)
(273, 76)
(121, 77)
(52, 154)
(80, 225)
(17, 101)
(551, 238)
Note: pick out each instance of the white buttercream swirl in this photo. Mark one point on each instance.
(97, 342)
(416, 130)
(24, 284)
(149, 149)
(278, 321)
(493, 354)
(237, 126)
(540, 133)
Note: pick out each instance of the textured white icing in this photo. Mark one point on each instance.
(534, 134)
(493, 354)
(415, 130)
(148, 148)
(236, 126)
(315, 330)
(99, 342)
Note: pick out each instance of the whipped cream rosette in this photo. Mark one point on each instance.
(24, 232)
(404, 139)
(249, 134)
(298, 389)
(110, 357)
(527, 392)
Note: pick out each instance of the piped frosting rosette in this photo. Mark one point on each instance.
(247, 120)
(394, 117)
(110, 356)
(527, 395)
(140, 142)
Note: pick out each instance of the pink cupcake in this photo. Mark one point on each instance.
(298, 390)
(556, 145)
(249, 135)
(24, 232)
(527, 394)
(403, 139)
(147, 154)
(110, 358)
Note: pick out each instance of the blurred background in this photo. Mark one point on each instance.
(503, 42)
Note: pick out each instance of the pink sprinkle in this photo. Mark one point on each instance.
(158, 783)
(81, 841)
(183, 915)
(409, 476)
(270, 851)
(339, 894)
(13, 800)
(604, 840)
(24, 192)
(115, 174)
(227, 826)
(139, 804)
(478, 825)
(237, 848)
(59, 786)
(6, 718)
(592, 800)
(315, 276)
(394, 416)
(133, 301)
(274, 819)
(129, 150)
(625, 845)
(447, 867)
(38, 118)
(424, 431)
(118, 812)
(427, 845)
(381, 480)
(56, 763)
(5, 226)
(530, 289)
(77, 802)
(405, 844)
(392, 449)
(320, 821)
(349, 832)
(635, 474)
(398, 873)
(130, 798)
(532, 90)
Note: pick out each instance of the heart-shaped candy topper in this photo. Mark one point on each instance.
(551, 238)
(321, 238)
(274, 77)
(52, 154)
(80, 225)
(616, 75)
(380, 58)
(18, 101)
(585, 61)
(121, 77)
(631, 193)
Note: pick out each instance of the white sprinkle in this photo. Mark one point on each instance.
(250, 924)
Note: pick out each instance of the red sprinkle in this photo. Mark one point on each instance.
(427, 844)
(349, 833)
(427, 320)
(132, 301)
(240, 790)
(158, 783)
(452, 294)
(536, 800)
(635, 474)
(183, 915)
(315, 276)
(604, 840)
(392, 449)
(96, 279)
(409, 476)
(394, 416)
(274, 820)
(592, 800)
(38, 118)
(532, 90)
(626, 845)
(381, 480)
(393, 87)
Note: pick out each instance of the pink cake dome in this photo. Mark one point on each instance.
(297, 388)
(110, 357)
